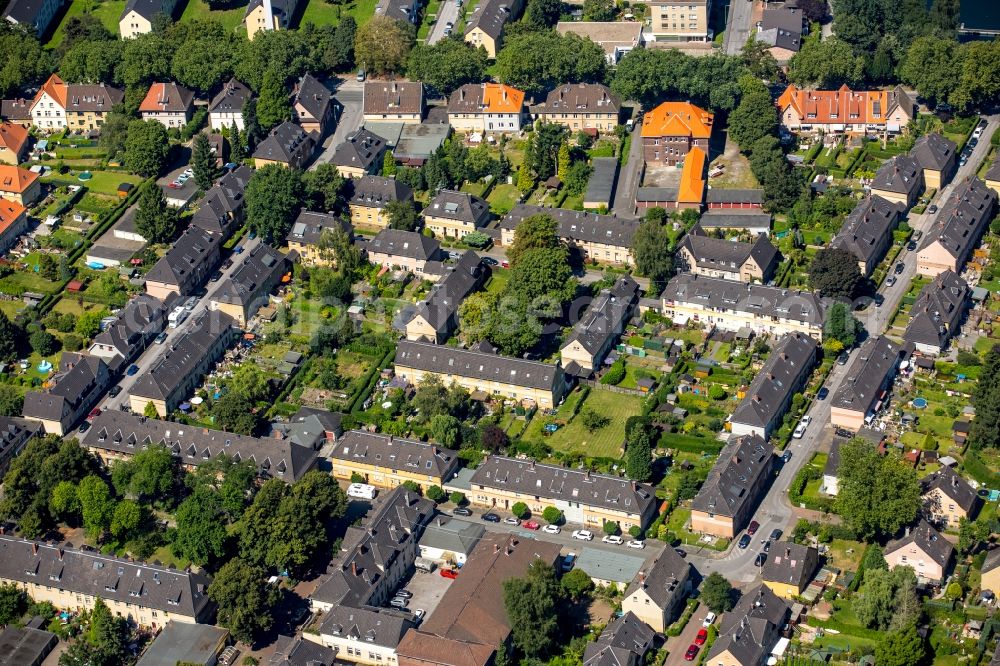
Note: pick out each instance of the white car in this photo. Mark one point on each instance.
(551, 529)
(613, 539)
(709, 620)
(583, 535)
(638, 545)
(800, 429)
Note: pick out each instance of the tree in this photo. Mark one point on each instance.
(655, 74)
(639, 456)
(814, 10)
(244, 598)
(827, 63)
(902, 648)
(103, 643)
(492, 438)
(11, 401)
(402, 215)
(146, 147)
(577, 584)
(985, 428)
(457, 498)
(755, 117)
(447, 65)
(236, 413)
(23, 57)
(878, 493)
(531, 605)
(610, 527)
(125, 519)
(382, 45)
(717, 593)
(272, 201)
(543, 152)
(149, 474)
(43, 343)
(841, 325)
(388, 164)
(593, 421)
(447, 430)
(599, 10)
(203, 161)
(931, 65)
(542, 14)
(757, 57)
(10, 336)
(552, 515)
(435, 494)
(563, 162)
(516, 327)
(149, 411)
(154, 219)
(834, 272)
(542, 273)
(533, 232)
(651, 248)
(273, 106)
(520, 510)
(13, 603)
(96, 504)
(971, 534)
(538, 61)
(323, 187)
(201, 535)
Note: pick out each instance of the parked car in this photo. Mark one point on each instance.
(709, 620)
(760, 559)
(776, 534)
(891, 280)
(400, 602)
(900, 267)
(681, 552)
(404, 594)
(843, 358)
(691, 653)
(461, 511)
(786, 456)
(361, 75)
(638, 545)
(115, 390)
(767, 546)
(613, 539)
(447, 572)
(511, 520)
(911, 246)
(491, 517)
(418, 615)
(568, 561)
(701, 637)
(583, 535)
(531, 525)
(932, 209)
(490, 261)
(799, 432)
(84, 427)
(132, 369)
(161, 338)
(94, 413)
(744, 542)
(753, 527)
(551, 529)
(822, 393)
(215, 277)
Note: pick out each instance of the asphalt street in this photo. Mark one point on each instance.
(349, 114)
(628, 179)
(738, 26)
(447, 13)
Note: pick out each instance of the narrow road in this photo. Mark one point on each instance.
(349, 114)
(628, 179)
(738, 26)
(447, 13)
(678, 645)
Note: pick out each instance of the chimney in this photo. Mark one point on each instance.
(61, 551)
(642, 579)
(354, 568)
(34, 548)
(788, 552)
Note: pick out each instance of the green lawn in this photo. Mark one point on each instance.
(573, 437)
(503, 198)
(199, 9)
(107, 11)
(27, 282)
(320, 12)
(102, 182)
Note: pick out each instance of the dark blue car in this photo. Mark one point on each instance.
(132, 369)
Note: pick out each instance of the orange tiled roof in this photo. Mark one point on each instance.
(13, 136)
(692, 187)
(10, 211)
(498, 98)
(15, 179)
(56, 89)
(838, 106)
(678, 119)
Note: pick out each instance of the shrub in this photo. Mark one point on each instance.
(412, 486)
(593, 421)
(634, 531)
(610, 527)
(457, 498)
(716, 392)
(520, 510)
(435, 494)
(552, 515)
(357, 478)
(615, 374)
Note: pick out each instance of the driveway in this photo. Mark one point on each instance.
(447, 13)
(628, 179)
(678, 645)
(349, 114)
(738, 26)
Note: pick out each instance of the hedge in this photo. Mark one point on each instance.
(677, 627)
(844, 628)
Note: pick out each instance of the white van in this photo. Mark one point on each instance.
(361, 491)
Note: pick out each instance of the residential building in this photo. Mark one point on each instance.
(485, 26)
(313, 105)
(371, 196)
(486, 107)
(27, 645)
(749, 632)
(956, 231)
(17, 111)
(867, 232)
(74, 390)
(782, 30)
(658, 593)
(583, 497)
(616, 37)
(991, 571)
(603, 238)
(116, 436)
(249, 287)
(178, 371)
(300, 651)
(923, 549)
(992, 175)
(948, 498)
(937, 156)
(138, 16)
(437, 315)
(122, 341)
(449, 540)
(704, 255)
(268, 15)
(221, 210)
(48, 109)
(672, 129)
(454, 214)
(362, 635)
(471, 619)
(599, 327)
(770, 394)
(417, 141)
(735, 485)
(306, 232)
(287, 145)
(936, 316)
(831, 471)
(34, 15)
(13, 223)
(226, 108)
(393, 101)
(845, 110)
(149, 595)
(19, 185)
(185, 643)
(169, 104)
(329, 422)
(410, 250)
(680, 20)
(386, 461)
(900, 180)
(401, 10)
(869, 378)
(624, 642)
(730, 306)
(77, 107)
(582, 106)
(15, 433)
(789, 568)
(361, 154)
(186, 265)
(13, 143)
(503, 377)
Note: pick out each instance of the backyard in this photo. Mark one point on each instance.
(572, 436)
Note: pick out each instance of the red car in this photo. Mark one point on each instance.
(449, 573)
(94, 413)
(530, 525)
(753, 527)
(701, 637)
(691, 653)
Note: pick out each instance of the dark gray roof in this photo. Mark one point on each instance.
(445, 360)
(298, 651)
(992, 561)
(92, 97)
(20, 109)
(408, 244)
(781, 28)
(148, 9)
(401, 10)
(953, 486)
(606, 315)
(734, 219)
(664, 580)
(933, 151)
(625, 641)
(21, 646)
(377, 191)
(790, 563)
(395, 452)
(360, 150)
(770, 391)
(309, 227)
(452, 535)
(78, 376)
(14, 434)
(441, 305)
(962, 218)
(119, 432)
(142, 317)
(260, 268)
(222, 208)
(576, 225)
(187, 255)
(750, 630)
(312, 94)
(866, 228)
(377, 627)
(602, 180)
(287, 143)
(491, 16)
(727, 255)
(993, 173)
(877, 358)
(96, 575)
(459, 206)
(723, 195)
(937, 313)
(901, 175)
(800, 306)
(393, 97)
(927, 539)
(184, 642)
(582, 98)
(727, 489)
(329, 420)
(231, 98)
(283, 9)
(530, 478)
(29, 12)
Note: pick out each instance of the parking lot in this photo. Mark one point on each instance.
(427, 589)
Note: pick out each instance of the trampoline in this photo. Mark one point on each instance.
(920, 403)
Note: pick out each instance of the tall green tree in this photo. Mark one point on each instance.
(532, 605)
(841, 325)
(382, 45)
(203, 161)
(447, 65)
(651, 248)
(272, 201)
(97, 504)
(985, 428)
(878, 494)
(273, 106)
(154, 219)
(201, 532)
(538, 61)
(599, 10)
(10, 337)
(755, 117)
(534, 232)
(541, 14)
(834, 272)
(639, 455)
(901, 648)
(146, 147)
(245, 599)
(717, 593)
(402, 215)
(829, 63)
(148, 475)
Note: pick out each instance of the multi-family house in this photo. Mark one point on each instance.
(956, 231)
(131, 332)
(923, 549)
(454, 214)
(789, 568)
(393, 101)
(74, 390)
(186, 265)
(992, 175)
(312, 105)
(680, 20)
(19, 185)
(730, 306)
(704, 255)
(991, 572)
(486, 107)
(48, 109)
(936, 316)
(770, 394)
(307, 232)
(287, 145)
(485, 25)
(371, 196)
(169, 104)
(16, 111)
(581, 106)
(900, 180)
(386, 461)
(138, 15)
(178, 371)
(658, 593)
(830, 484)
(603, 238)
(15, 433)
(845, 110)
(937, 156)
(624, 642)
(400, 10)
(948, 498)
(264, 15)
(34, 15)
(13, 143)
(226, 108)
(13, 223)
(617, 38)
(672, 129)
(360, 155)
(867, 231)
(77, 107)
(750, 631)
(221, 211)
(599, 327)
(249, 287)
(863, 391)
(410, 250)
(437, 315)
(782, 30)
(734, 487)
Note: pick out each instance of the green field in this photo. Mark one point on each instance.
(574, 438)
(199, 9)
(320, 12)
(102, 182)
(503, 198)
(107, 11)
